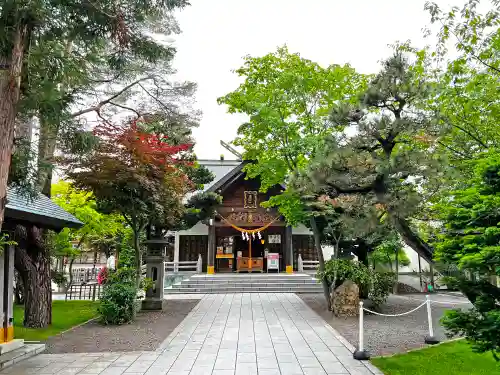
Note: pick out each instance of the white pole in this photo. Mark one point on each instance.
(429, 316)
(431, 339)
(360, 354)
(199, 265)
(361, 347)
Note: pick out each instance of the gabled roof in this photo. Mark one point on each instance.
(40, 211)
(224, 170)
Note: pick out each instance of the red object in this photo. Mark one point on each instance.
(102, 276)
(273, 256)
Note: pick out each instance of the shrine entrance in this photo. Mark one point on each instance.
(237, 253)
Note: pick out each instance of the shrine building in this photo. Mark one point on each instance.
(243, 236)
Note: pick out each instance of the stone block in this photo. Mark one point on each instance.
(345, 299)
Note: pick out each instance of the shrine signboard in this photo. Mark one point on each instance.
(273, 262)
(274, 238)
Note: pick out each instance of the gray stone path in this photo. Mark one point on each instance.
(225, 334)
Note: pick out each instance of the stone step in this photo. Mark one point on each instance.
(242, 290)
(258, 275)
(239, 290)
(20, 354)
(243, 284)
(249, 281)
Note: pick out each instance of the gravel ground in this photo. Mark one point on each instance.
(147, 332)
(388, 335)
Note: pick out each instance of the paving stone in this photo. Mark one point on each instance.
(225, 364)
(334, 368)
(269, 372)
(223, 372)
(234, 334)
(308, 362)
(267, 363)
(314, 371)
(246, 358)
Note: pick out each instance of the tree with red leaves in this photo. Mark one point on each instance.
(141, 175)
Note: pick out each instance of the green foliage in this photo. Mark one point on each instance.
(117, 304)
(379, 168)
(98, 227)
(453, 358)
(287, 99)
(59, 278)
(4, 241)
(481, 329)
(378, 284)
(384, 255)
(470, 215)
(469, 240)
(147, 283)
(126, 251)
(65, 315)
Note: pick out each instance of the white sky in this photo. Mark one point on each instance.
(217, 34)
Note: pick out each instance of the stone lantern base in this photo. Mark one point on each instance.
(152, 304)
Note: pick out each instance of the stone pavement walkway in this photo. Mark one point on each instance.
(225, 334)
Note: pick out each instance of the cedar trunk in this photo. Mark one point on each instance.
(32, 260)
(10, 82)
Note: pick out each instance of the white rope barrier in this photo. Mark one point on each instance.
(361, 354)
(394, 315)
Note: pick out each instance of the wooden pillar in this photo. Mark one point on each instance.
(8, 298)
(211, 248)
(2, 291)
(176, 247)
(288, 249)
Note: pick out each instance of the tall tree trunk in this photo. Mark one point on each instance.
(395, 288)
(70, 270)
(10, 83)
(46, 149)
(49, 131)
(321, 259)
(138, 259)
(32, 260)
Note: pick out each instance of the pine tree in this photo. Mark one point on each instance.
(387, 158)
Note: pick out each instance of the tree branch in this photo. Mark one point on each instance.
(453, 150)
(155, 98)
(336, 190)
(99, 105)
(127, 108)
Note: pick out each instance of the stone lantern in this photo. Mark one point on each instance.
(155, 270)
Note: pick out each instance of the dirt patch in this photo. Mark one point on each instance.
(147, 332)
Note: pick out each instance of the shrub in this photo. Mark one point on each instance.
(378, 284)
(117, 304)
(58, 277)
(381, 286)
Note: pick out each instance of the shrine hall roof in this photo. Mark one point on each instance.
(223, 171)
(39, 210)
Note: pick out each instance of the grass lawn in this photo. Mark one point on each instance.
(453, 358)
(65, 314)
